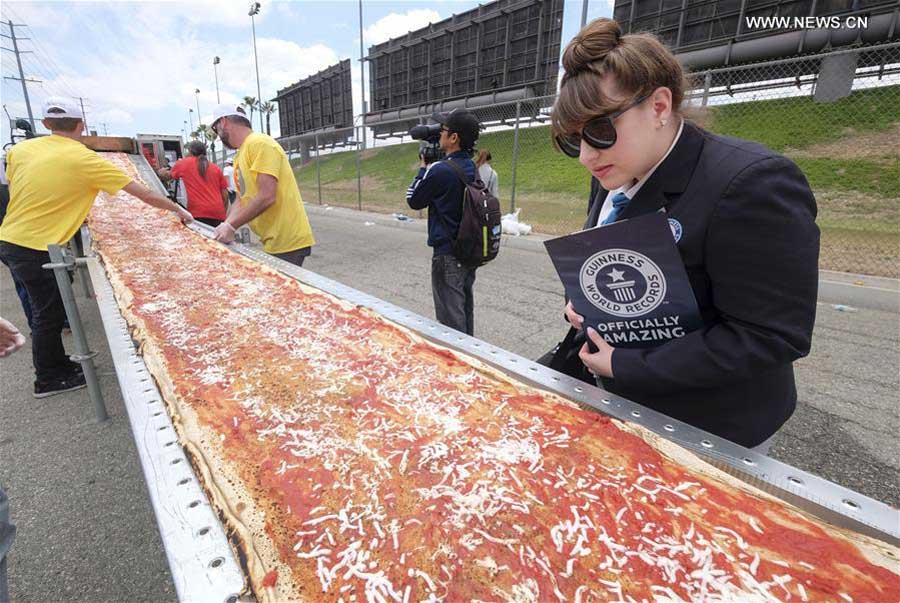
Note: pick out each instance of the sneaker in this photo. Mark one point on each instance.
(74, 370)
(44, 389)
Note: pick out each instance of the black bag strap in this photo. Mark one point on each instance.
(462, 178)
(459, 173)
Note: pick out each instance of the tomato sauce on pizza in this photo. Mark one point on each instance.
(355, 461)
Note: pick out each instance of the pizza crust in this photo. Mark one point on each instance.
(245, 520)
(260, 554)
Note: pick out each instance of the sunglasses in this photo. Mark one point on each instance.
(599, 132)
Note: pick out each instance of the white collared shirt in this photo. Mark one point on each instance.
(633, 189)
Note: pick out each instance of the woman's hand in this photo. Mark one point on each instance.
(600, 362)
(575, 319)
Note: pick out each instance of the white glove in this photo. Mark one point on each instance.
(224, 232)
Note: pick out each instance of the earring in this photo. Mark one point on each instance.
(663, 122)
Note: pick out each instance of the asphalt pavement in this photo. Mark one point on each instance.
(86, 530)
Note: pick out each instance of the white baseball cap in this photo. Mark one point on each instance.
(56, 107)
(227, 110)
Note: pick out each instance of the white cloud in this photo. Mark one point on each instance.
(121, 119)
(200, 13)
(146, 59)
(396, 24)
(286, 62)
(285, 11)
(36, 14)
(144, 73)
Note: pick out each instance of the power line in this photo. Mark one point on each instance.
(15, 49)
(58, 85)
(52, 67)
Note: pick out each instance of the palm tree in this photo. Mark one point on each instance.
(251, 103)
(208, 135)
(211, 138)
(268, 108)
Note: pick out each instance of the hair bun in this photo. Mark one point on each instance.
(596, 40)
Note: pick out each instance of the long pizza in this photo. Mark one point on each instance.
(352, 460)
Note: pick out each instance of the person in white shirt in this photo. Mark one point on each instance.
(228, 172)
(486, 173)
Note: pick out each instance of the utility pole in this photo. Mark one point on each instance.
(254, 10)
(199, 121)
(362, 77)
(584, 6)
(105, 131)
(21, 78)
(216, 61)
(83, 116)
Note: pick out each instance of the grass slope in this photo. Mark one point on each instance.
(847, 149)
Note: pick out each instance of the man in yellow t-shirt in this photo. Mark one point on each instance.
(267, 193)
(53, 181)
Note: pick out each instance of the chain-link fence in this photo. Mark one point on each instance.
(837, 115)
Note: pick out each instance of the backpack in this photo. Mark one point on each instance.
(477, 241)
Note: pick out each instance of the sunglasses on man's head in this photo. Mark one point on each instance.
(599, 132)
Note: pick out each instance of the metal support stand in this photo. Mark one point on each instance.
(515, 159)
(358, 174)
(707, 82)
(318, 176)
(78, 243)
(61, 264)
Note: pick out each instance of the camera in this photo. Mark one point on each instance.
(429, 137)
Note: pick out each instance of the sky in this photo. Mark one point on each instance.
(136, 65)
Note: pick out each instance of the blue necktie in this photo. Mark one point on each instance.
(619, 201)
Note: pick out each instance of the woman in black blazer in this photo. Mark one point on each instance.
(744, 220)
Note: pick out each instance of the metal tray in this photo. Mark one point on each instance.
(202, 563)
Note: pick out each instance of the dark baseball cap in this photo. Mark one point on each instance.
(461, 121)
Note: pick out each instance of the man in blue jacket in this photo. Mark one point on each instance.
(438, 187)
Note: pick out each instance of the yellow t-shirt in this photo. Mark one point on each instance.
(283, 226)
(53, 181)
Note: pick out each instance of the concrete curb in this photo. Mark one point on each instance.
(528, 243)
(843, 288)
(859, 291)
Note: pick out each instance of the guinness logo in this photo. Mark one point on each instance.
(623, 283)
